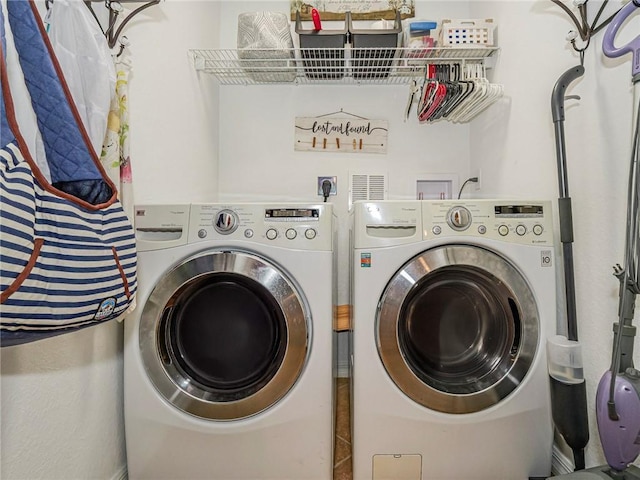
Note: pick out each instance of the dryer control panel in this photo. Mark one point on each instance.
(397, 222)
(299, 226)
(523, 222)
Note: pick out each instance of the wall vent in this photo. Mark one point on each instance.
(367, 186)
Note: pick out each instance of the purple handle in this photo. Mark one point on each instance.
(608, 46)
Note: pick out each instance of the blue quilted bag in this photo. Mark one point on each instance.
(67, 249)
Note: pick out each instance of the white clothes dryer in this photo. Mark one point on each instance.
(228, 359)
(452, 304)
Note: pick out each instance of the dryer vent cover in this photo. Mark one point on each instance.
(367, 186)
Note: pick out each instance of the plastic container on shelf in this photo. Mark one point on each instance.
(419, 38)
(374, 49)
(467, 33)
(420, 34)
(322, 51)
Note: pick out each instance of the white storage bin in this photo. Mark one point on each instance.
(467, 33)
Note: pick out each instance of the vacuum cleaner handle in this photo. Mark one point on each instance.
(557, 96)
(633, 46)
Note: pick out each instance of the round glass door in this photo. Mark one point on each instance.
(457, 328)
(224, 335)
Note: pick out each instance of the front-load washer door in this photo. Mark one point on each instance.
(224, 335)
(457, 328)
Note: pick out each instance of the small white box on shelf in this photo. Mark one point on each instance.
(467, 33)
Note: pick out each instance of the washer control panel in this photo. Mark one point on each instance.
(305, 227)
(528, 222)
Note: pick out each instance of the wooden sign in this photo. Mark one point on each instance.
(344, 135)
(360, 9)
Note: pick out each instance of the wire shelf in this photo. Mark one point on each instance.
(329, 65)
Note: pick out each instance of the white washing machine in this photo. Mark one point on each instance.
(228, 363)
(452, 304)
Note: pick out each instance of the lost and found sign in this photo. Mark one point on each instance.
(360, 9)
(344, 135)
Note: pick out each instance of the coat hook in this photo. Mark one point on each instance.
(584, 29)
(115, 8)
(124, 42)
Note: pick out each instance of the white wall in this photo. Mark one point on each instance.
(174, 111)
(62, 409)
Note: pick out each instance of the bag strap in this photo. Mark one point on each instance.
(76, 172)
(9, 132)
(6, 132)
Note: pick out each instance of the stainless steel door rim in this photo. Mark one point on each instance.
(457, 328)
(169, 368)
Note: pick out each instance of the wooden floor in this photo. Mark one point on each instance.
(342, 454)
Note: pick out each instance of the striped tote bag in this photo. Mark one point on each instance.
(67, 249)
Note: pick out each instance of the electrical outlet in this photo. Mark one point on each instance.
(479, 182)
(334, 185)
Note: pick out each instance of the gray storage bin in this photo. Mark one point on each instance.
(322, 51)
(381, 48)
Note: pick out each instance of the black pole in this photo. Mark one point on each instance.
(564, 201)
(568, 401)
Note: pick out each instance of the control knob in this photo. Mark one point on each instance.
(226, 222)
(459, 218)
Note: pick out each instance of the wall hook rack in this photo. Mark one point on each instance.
(115, 9)
(584, 29)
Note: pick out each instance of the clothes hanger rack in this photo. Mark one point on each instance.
(454, 92)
